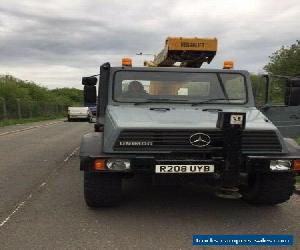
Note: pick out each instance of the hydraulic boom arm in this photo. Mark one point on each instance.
(189, 52)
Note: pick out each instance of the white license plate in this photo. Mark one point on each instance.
(170, 169)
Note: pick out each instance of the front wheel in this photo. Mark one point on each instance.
(269, 188)
(102, 190)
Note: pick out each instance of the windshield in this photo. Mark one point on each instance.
(139, 87)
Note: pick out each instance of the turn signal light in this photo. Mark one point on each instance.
(126, 61)
(296, 165)
(99, 164)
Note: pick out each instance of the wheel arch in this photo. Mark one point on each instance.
(91, 145)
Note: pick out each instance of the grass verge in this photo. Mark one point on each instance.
(26, 120)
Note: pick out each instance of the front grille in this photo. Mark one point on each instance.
(179, 141)
(260, 141)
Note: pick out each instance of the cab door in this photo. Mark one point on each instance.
(279, 99)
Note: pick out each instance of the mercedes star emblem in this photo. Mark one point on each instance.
(199, 140)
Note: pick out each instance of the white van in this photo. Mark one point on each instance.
(78, 113)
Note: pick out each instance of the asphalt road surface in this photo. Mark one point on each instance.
(42, 206)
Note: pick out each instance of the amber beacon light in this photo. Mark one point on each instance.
(126, 61)
(228, 65)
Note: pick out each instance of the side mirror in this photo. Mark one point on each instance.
(89, 81)
(89, 90)
(292, 94)
(89, 95)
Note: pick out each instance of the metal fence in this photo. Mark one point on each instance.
(21, 109)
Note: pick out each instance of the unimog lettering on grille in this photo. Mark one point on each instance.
(136, 143)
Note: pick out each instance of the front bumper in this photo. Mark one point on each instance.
(78, 116)
(146, 163)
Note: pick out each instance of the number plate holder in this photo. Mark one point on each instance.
(184, 168)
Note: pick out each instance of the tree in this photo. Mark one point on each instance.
(285, 61)
(73, 95)
(12, 88)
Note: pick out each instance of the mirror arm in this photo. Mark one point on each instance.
(267, 96)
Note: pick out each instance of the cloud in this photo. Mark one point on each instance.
(56, 42)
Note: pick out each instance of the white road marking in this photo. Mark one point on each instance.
(29, 128)
(43, 184)
(21, 204)
(16, 210)
(71, 155)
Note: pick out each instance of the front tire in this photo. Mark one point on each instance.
(102, 190)
(269, 188)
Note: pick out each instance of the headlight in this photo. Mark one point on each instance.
(280, 165)
(118, 164)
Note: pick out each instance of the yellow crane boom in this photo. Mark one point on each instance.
(189, 52)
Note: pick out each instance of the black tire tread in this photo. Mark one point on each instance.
(270, 188)
(102, 190)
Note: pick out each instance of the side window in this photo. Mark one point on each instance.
(277, 91)
(259, 88)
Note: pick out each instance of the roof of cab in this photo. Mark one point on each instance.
(178, 69)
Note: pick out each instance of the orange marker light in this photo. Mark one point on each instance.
(296, 165)
(228, 65)
(99, 164)
(126, 61)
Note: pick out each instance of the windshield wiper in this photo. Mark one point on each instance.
(217, 99)
(161, 100)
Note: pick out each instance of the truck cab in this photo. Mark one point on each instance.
(190, 124)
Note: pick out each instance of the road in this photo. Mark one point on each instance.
(42, 206)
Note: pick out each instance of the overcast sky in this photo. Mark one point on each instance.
(56, 42)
